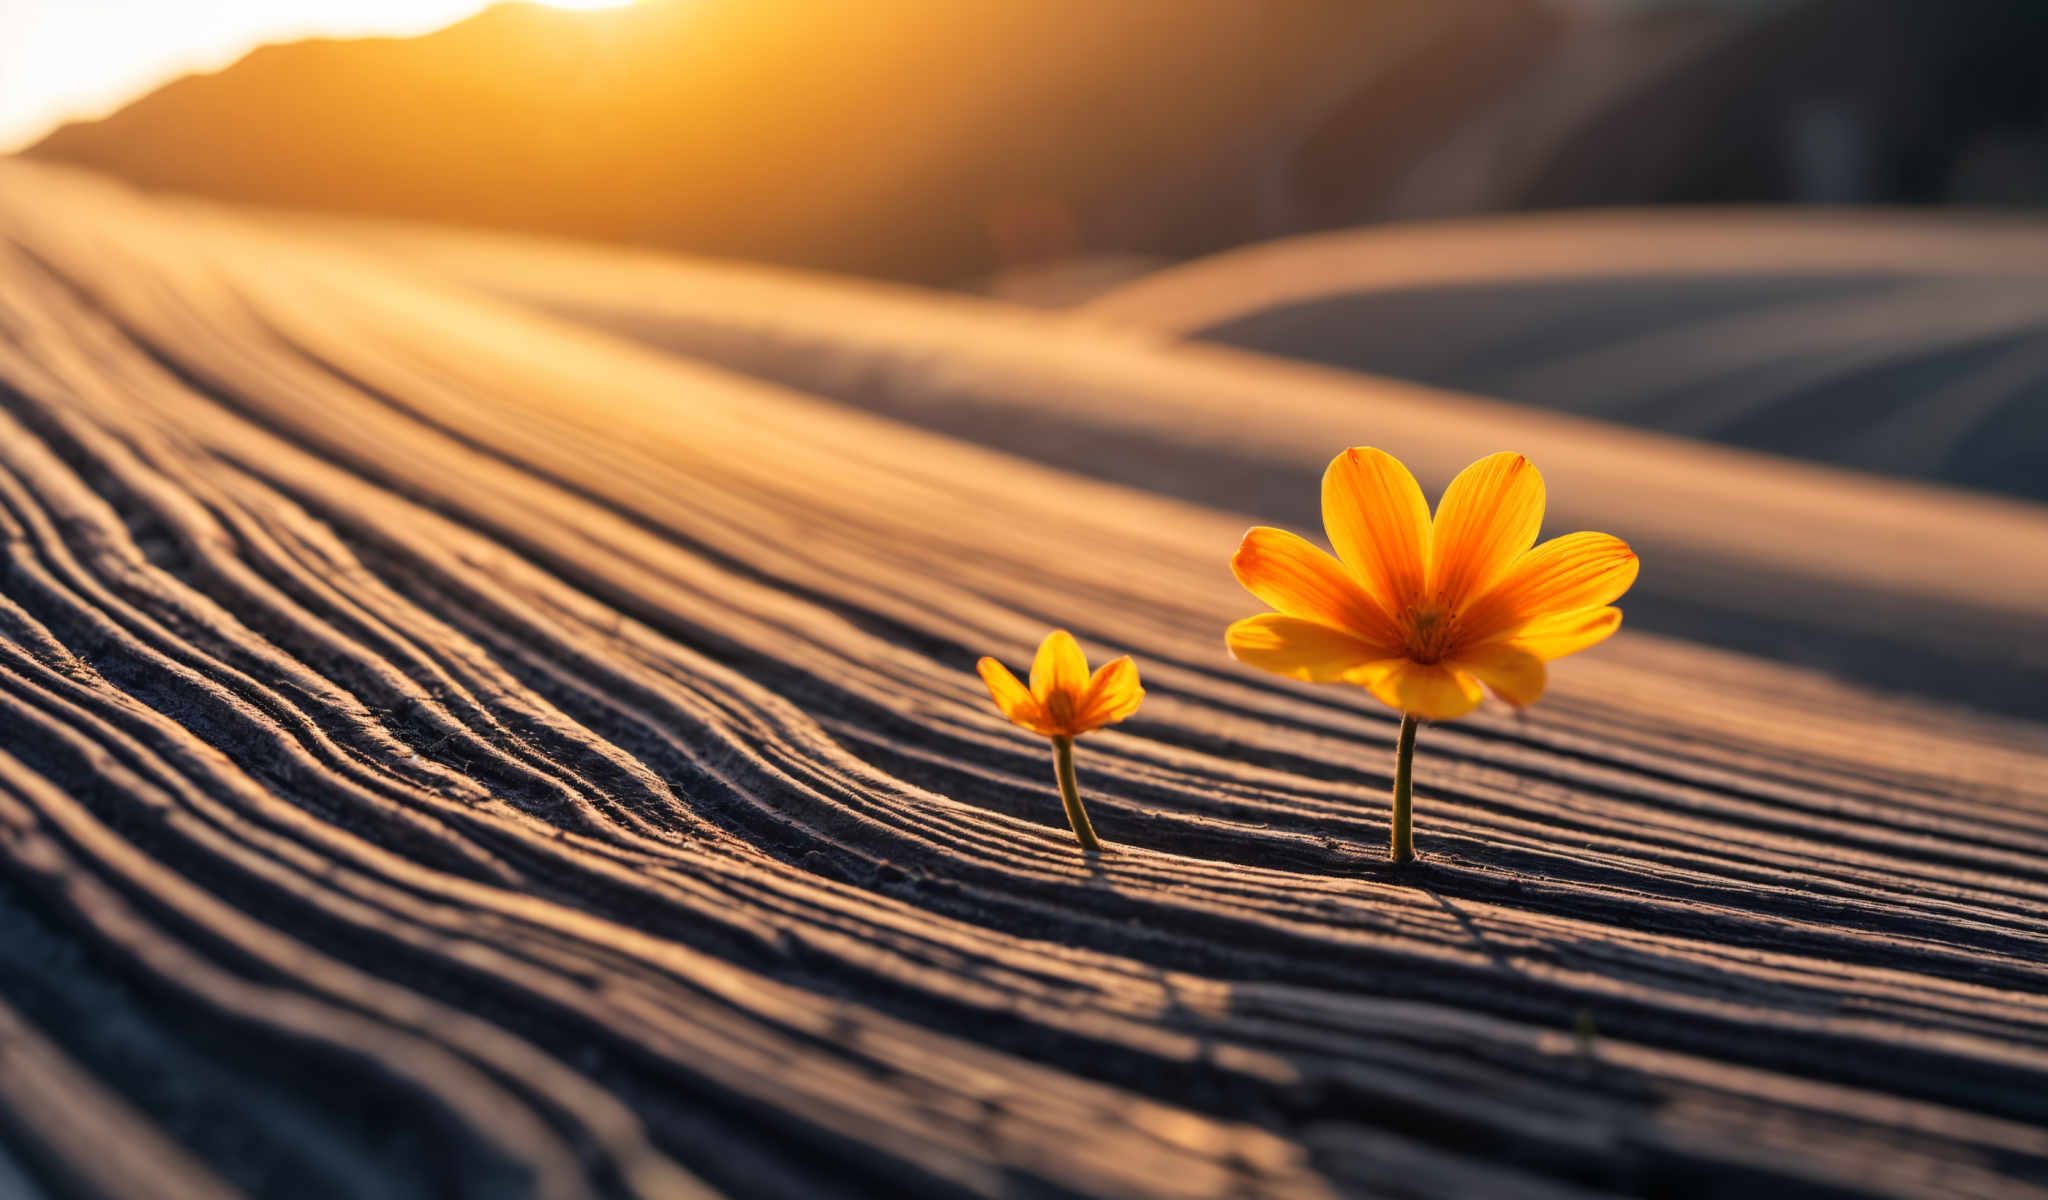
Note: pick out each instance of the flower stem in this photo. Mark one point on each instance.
(1402, 848)
(1070, 794)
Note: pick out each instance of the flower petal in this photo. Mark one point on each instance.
(1433, 692)
(1293, 576)
(1568, 574)
(1516, 675)
(1305, 650)
(1488, 516)
(1551, 638)
(1378, 522)
(1060, 668)
(1113, 694)
(1012, 698)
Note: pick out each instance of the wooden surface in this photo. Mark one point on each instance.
(450, 748)
(1901, 343)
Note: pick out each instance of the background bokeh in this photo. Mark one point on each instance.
(942, 142)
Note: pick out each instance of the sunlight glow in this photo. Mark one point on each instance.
(79, 59)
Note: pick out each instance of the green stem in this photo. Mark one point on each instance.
(1402, 847)
(1070, 794)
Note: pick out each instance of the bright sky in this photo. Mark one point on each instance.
(83, 58)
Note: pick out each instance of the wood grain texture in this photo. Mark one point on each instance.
(446, 748)
(1912, 345)
(1911, 588)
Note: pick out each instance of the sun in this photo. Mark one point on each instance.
(585, 3)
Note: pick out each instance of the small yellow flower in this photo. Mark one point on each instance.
(1422, 611)
(1063, 702)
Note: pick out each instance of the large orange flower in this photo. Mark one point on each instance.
(1420, 611)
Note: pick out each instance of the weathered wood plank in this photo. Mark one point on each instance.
(457, 749)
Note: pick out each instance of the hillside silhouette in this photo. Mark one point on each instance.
(939, 140)
(936, 141)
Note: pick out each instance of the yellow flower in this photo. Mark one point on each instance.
(1420, 611)
(1063, 702)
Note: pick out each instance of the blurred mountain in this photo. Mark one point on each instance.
(921, 139)
(1915, 102)
(943, 141)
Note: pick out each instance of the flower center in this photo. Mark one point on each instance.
(1430, 634)
(1060, 708)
